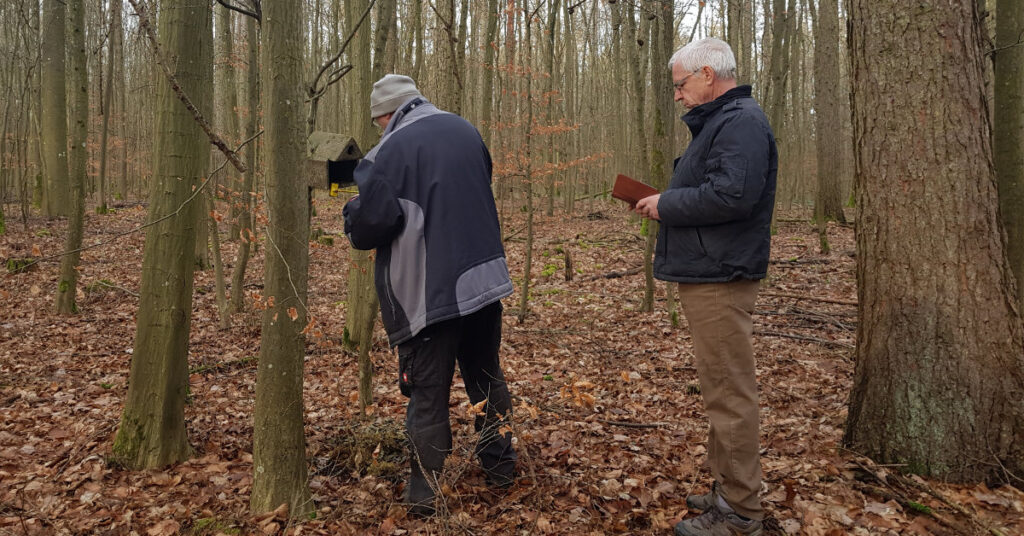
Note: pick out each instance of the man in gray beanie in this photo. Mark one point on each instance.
(389, 93)
(425, 204)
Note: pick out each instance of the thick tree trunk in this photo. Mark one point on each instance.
(385, 23)
(53, 111)
(67, 283)
(1009, 132)
(940, 345)
(152, 430)
(279, 446)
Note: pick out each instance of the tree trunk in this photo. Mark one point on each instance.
(362, 310)
(246, 233)
(115, 22)
(385, 22)
(828, 204)
(279, 446)
(1009, 132)
(220, 296)
(122, 94)
(417, 24)
(447, 93)
(53, 111)
(662, 122)
(79, 88)
(549, 100)
(940, 345)
(490, 60)
(524, 297)
(152, 430)
(226, 91)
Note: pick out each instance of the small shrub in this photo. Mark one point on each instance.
(377, 448)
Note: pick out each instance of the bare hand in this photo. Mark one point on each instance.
(648, 207)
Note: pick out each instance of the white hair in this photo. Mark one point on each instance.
(710, 52)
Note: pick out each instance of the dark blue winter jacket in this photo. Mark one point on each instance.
(716, 213)
(425, 204)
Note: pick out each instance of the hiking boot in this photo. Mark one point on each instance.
(705, 502)
(502, 476)
(419, 496)
(715, 522)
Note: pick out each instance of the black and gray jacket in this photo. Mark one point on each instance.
(716, 213)
(425, 204)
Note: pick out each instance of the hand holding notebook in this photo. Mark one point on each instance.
(631, 190)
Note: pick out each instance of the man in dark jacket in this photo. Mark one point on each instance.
(425, 204)
(714, 241)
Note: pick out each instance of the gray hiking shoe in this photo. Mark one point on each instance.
(705, 502)
(715, 522)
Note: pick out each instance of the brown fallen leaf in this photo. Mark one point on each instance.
(166, 527)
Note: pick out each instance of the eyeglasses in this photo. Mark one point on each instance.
(682, 84)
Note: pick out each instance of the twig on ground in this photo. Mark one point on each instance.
(629, 424)
(772, 294)
(803, 338)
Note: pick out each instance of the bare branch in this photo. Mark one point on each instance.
(140, 11)
(254, 13)
(156, 221)
(314, 90)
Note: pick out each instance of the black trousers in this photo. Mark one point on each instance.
(426, 365)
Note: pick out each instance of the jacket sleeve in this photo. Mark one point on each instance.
(373, 218)
(736, 171)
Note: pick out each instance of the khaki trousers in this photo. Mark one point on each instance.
(719, 315)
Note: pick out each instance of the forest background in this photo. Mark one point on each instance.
(188, 343)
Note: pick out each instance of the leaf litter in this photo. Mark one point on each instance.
(608, 417)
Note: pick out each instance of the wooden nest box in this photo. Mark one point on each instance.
(331, 160)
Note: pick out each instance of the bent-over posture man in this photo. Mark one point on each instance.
(714, 241)
(425, 204)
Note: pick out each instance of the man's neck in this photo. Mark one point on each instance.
(721, 86)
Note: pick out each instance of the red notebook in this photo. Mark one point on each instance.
(631, 190)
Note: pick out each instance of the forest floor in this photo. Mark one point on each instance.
(609, 423)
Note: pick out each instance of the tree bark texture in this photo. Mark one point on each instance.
(828, 122)
(940, 345)
(246, 232)
(78, 87)
(1009, 131)
(105, 109)
(279, 446)
(448, 91)
(53, 110)
(361, 310)
(152, 430)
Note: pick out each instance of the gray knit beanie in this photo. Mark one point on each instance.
(390, 92)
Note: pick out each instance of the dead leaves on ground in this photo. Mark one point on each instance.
(607, 418)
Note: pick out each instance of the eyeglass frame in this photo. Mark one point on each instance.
(681, 85)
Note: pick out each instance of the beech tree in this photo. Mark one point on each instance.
(53, 110)
(152, 430)
(1009, 131)
(279, 444)
(67, 283)
(940, 344)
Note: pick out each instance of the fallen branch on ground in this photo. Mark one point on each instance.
(771, 294)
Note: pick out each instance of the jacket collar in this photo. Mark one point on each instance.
(699, 115)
